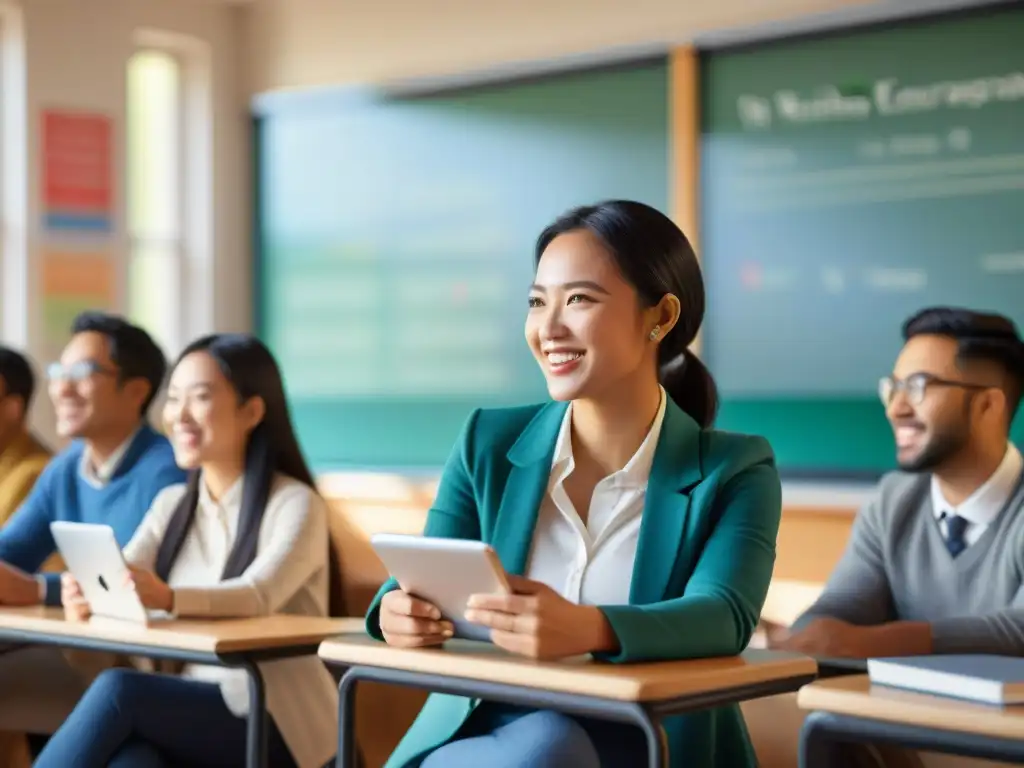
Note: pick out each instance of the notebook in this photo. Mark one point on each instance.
(979, 677)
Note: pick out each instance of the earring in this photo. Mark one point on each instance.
(655, 332)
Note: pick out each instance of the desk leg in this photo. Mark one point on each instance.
(817, 747)
(633, 713)
(256, 727)
(348, 747)
(657, 742)
(824, 733)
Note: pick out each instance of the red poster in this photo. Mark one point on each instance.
(77, 171)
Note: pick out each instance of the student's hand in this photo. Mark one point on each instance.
(536, 621)
(824, 637)
(774, 633)
(832, 637)
(75, 606)
(152, 590)
(17, 587)
(408, 622)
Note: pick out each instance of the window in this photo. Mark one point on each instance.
(3, 180)
(14, 315)
(169, 167)
(154, 159)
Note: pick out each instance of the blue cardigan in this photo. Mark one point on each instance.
(61, 493)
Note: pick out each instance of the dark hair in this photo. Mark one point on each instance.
(132, 350)
(19, 380)
(979, 336)
(272, 448)
(654, 255)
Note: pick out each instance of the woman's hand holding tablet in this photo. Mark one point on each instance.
(409, 622)
(538, 622)
(458, 588)
(435, 578)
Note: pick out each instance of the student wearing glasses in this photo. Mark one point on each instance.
(245, 536)
(934, 562)
(632, 530)
(114, 466)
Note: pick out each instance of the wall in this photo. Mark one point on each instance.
(75, 55)
(299, 43)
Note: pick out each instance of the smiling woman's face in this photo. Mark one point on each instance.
(202, 414)
(585, 326)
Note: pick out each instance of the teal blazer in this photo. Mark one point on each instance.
(703, 564)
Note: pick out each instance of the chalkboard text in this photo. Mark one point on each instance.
(886, 97)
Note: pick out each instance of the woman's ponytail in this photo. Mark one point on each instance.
(691, 386)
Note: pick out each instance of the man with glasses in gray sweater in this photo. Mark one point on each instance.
(935, 559)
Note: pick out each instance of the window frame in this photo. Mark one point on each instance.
(16, 307)
(174, 242)
(191, 243)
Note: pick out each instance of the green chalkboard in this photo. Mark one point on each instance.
(395, 245)
(848, 181)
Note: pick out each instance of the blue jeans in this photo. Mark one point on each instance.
(504, 736)
(131, 719)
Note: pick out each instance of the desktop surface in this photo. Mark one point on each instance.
(649, 681)
(214, 636)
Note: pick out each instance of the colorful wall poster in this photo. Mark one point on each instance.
(71, 283)
(77, 183)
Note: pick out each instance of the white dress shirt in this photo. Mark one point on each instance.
(98, 475)
(592, 563)
(983, 506)
(290, 574)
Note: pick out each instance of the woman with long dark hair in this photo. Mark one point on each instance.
(246, 536)
(631, 529)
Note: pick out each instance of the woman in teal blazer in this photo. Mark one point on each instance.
(632, 531)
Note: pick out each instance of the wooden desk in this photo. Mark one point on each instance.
(641, 694)
(846, 709)
(227, 642)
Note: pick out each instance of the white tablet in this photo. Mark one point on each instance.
(93, 556)
(444, 572)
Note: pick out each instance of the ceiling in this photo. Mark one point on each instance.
(303, 43)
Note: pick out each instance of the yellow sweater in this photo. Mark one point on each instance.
(21, 463)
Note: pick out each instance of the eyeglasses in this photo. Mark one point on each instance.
(915, 387)
(76, 372)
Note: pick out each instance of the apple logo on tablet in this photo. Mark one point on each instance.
(103, 582)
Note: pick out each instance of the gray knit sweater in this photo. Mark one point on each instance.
(896, 567)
